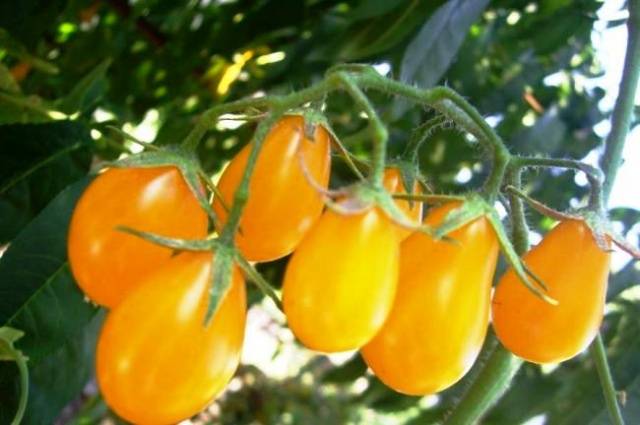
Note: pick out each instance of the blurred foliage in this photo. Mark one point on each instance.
(162, 62)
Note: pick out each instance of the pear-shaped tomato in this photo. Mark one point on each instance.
(413, 210)
(575, 271)
(157, 362)
(340, 283)
(441, 312)
(282, 204)
(107, 263)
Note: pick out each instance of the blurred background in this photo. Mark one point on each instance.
(544, 74)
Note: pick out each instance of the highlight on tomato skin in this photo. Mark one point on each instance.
(392, 181)
(575, 271)
(282, 204)
(157, 363)
(440, 315)
(340, 283)
(107, 263)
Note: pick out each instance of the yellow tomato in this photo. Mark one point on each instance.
(440, 315)
(108, 264)
(282, 204)
(340, 283)
(157, 363)
(575, 271)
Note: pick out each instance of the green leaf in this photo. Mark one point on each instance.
(36, 162)
(34, 273)
(383, 33)
(87, 92)
(39, 296)
(432, 50)
(548, 135)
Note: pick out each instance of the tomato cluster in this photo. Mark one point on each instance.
(417, 307)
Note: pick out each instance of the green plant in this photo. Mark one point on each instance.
(145, 66)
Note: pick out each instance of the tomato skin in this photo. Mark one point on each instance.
(392, 181)
(340, 282)
(108, 264)
(575, 270)
(440, 314)
(156, 362)
(282, 205)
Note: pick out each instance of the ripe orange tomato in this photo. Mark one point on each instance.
(339, 285)
(282, 205)
(413, 210)
(575, 270)
(107, 263)
(441, 312)
(157, 363)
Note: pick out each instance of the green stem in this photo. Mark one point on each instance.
(434, 97)
(519, 226)
(427, 197)
(420, 136)
(496, 176)
(260, 282)
(456, 107)
(594, 175)
(380, 133)
(490, 384)
(623, 109)
(602, 366)
(209, 118)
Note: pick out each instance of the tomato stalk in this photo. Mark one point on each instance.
(420, 136)
(520, 228)
(380, 133)
(594, 175)
(208, 119)
(255, 276)
(427, 197)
